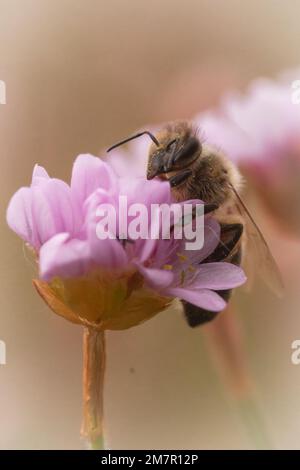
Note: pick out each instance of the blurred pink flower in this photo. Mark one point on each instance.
(97, 278)
(260, 132)
(257, 129)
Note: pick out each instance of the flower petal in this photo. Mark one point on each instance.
(63, 257)
(203, 298)
(38, 175)
(211, 241)
(140, 190)
(143, 249)
(19, 215)
(108, 253)
(90, 173)
(157, 279)
(52, 209)
(218, 276)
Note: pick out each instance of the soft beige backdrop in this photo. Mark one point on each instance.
(81, 74)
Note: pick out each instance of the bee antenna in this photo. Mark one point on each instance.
(152, 137)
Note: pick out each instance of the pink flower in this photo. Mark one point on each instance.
(108, 282)
(260, 132)
(258, 128)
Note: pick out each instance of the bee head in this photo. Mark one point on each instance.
(173, 155)
(173, 150)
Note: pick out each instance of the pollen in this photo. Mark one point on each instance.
(181, 257)
(191, 268)
(168, 267)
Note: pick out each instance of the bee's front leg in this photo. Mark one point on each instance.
(180, 177)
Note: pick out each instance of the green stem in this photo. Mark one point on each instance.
(98, 443)
(254, 423)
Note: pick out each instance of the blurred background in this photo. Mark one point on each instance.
(81, 74)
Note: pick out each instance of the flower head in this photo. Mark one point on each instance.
(260, 132)
(258, 128)
(111, 283)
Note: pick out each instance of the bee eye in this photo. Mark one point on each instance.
(188, 150)
(171, 145)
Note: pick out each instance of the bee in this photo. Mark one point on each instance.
(197, 170)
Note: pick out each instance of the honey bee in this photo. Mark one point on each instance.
(196, 170)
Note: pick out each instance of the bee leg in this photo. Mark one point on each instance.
(196, 316)
(179, 178)
(208, 208)
(227, 249)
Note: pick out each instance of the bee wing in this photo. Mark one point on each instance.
(257, 257)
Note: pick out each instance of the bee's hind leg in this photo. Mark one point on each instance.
(196, 316)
